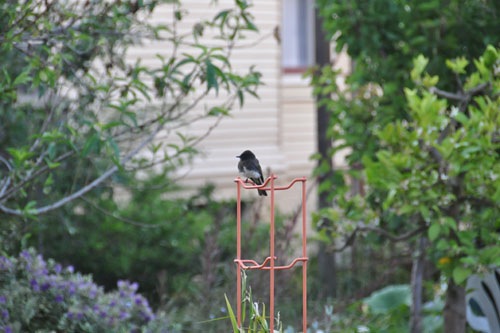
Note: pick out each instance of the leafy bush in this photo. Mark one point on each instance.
(385, 310)
(179, 249)
(389, 298)
(38, 295)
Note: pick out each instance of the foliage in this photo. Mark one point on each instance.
(75, 109)
(382, 38)
(425, 155)
(39, 295)
(385, 310)
(418, 120)
(441, 169)
(389, 298)
(150, 234)
(180, 250)
(257, 319)
(82, 124)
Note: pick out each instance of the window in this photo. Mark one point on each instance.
(297, 35)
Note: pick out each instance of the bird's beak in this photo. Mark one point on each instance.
(237, 157)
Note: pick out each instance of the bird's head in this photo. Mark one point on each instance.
(246, 155)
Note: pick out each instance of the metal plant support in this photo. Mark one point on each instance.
(269, 262)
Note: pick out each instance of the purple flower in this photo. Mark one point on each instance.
(7, 329)
(147, 316)
(5, 264)
(124, 315)
(57, 268)
(59, 298)
(25, 254)
(71, 288)
(121, 284)
(5, 314)
(92, 293)
(70, 269)
(34, 285)
(3, 299)
(45, 286)
(127, 286)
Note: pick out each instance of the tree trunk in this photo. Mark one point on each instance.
(326, 260)
(327, 270)
(417, 276)
(454, 308)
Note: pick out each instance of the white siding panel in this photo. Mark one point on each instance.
(280, 126)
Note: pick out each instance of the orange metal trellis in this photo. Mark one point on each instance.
(269, 262)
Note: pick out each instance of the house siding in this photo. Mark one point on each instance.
(279, 127)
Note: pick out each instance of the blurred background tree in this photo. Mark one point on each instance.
(83, 176)
(71, 102)
(389, 160)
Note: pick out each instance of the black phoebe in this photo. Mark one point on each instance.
(249, 167)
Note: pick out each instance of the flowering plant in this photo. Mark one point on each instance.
(39, 295)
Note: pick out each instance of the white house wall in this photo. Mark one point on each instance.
(280, 127)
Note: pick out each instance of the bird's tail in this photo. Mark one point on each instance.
(262, 193)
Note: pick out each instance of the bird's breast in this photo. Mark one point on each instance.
(249, 173)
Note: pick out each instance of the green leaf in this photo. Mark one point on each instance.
(110, 125)
(52, 165)
(178, 15)
(460, 274)
(490, 56)
(53, 135)
(457, 65)
(241, 97)
(217, 111)
(211, 76)
(389, 298)
(419, 64)
(250, 25)
(22, 78)
(450, 223)
(232, 317)
(222, 15)
(434, 231)
(20, 155)
(490, 254)
(47, 186)
(430, 81)
(29, 209)
(114, 147)
(461, 118)
(92, 145)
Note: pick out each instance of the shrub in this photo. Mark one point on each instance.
(38, 295)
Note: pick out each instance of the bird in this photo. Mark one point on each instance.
(249, 167)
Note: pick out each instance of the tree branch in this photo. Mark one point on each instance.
(90, 186)
(461, 97)
(119, 218)
(394, 238)
(5, 195)
(4, 183)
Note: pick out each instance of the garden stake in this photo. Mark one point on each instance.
(269, 262)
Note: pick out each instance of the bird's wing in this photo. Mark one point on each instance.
(260, 171)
